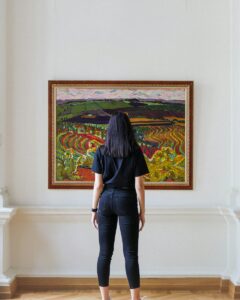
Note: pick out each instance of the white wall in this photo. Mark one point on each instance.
(132, 40)
(235, 103)
(235, 125)
(2, 91)
(161, 40)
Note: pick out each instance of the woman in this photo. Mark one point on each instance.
(119, 166)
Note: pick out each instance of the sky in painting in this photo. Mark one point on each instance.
(73, 93)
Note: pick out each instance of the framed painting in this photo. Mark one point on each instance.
(161, 113)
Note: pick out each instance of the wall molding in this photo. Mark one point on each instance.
(185, 211)
(4, 196)
(6, 214)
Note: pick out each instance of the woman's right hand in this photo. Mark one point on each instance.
(142, 219)
(94, 219)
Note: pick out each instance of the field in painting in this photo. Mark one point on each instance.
(159, 128)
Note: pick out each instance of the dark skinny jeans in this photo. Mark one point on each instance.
(117, 203)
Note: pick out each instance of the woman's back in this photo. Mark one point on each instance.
(119, 171)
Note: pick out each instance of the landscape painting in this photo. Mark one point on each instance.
(161, 113)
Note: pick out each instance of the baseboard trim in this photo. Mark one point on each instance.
(69, 283)
(8, 291)
(234, 290)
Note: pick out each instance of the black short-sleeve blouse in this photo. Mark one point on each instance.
(119, 172)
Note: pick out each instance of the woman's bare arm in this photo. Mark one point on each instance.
(97, 189)
(139, 186)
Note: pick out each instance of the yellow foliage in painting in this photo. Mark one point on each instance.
(166, 165)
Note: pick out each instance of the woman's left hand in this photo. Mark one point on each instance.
(94, 220)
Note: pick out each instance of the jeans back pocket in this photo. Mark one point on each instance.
(126, 204)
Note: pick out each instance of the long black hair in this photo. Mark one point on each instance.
(120, 140)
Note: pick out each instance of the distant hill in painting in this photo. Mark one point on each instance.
(139, 111)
